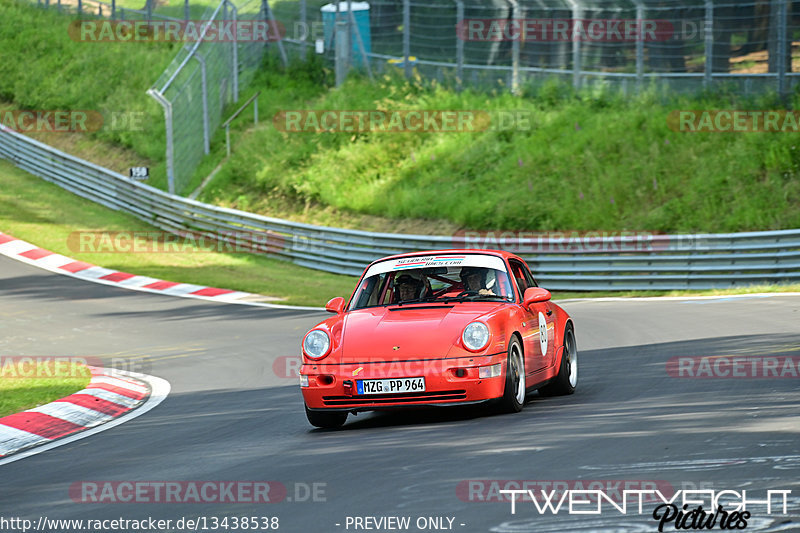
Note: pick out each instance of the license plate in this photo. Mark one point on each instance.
(390, 386)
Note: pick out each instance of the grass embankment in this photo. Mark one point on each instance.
(588, 161)
(42, 213)
(44, 69)
(25, 384)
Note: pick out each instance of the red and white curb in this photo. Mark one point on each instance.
(33, 255)
(111, 398)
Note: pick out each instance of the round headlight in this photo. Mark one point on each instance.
(316, 344)
(475, 336)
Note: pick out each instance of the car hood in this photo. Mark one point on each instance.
(401, 333)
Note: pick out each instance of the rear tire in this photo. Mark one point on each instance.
(567, 378)
(326, 420)
(514, 393)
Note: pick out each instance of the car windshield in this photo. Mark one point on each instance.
(420, 283)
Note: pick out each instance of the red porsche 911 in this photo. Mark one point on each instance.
(450, 327)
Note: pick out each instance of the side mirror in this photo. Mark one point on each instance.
(336, 305)
(535, 295)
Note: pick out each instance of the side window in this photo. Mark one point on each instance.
(522, 276)
(528, 276)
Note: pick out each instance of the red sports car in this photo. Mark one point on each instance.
(448, 327)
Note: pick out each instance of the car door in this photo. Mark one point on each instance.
(539, 324)
(534, 360)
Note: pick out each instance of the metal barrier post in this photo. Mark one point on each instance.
(113, 8)
(186, 10)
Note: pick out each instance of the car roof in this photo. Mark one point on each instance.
(498, 253)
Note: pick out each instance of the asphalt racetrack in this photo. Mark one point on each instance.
(235, 415)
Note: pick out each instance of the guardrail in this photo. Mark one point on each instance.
(621, 262)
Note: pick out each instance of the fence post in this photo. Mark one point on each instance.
(460, 44)
(709, 43)
(577, 14)
(274, 26)
(186, 13)
(113, 8)
(341, 56)
(349, 34)
(204, 82)
(149, 5)
(80, 7)
(360, 43)
(235, 58)
(781, 48)
(639, 46)
(303, 20)
(515, 48)
(167, 105)
(407, 38)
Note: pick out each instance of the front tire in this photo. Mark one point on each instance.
(514, 393)
(567, 379)
(326, 420)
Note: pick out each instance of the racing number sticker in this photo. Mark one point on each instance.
(543, 334)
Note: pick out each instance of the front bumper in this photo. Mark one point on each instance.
(448, 381)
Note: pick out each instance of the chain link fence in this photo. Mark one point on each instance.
(674, 45)
(205, 76)
(742, 46)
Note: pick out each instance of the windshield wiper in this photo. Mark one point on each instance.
(415, 301)
(475, 298)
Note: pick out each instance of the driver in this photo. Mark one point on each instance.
(407, 288)
(474, 279)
